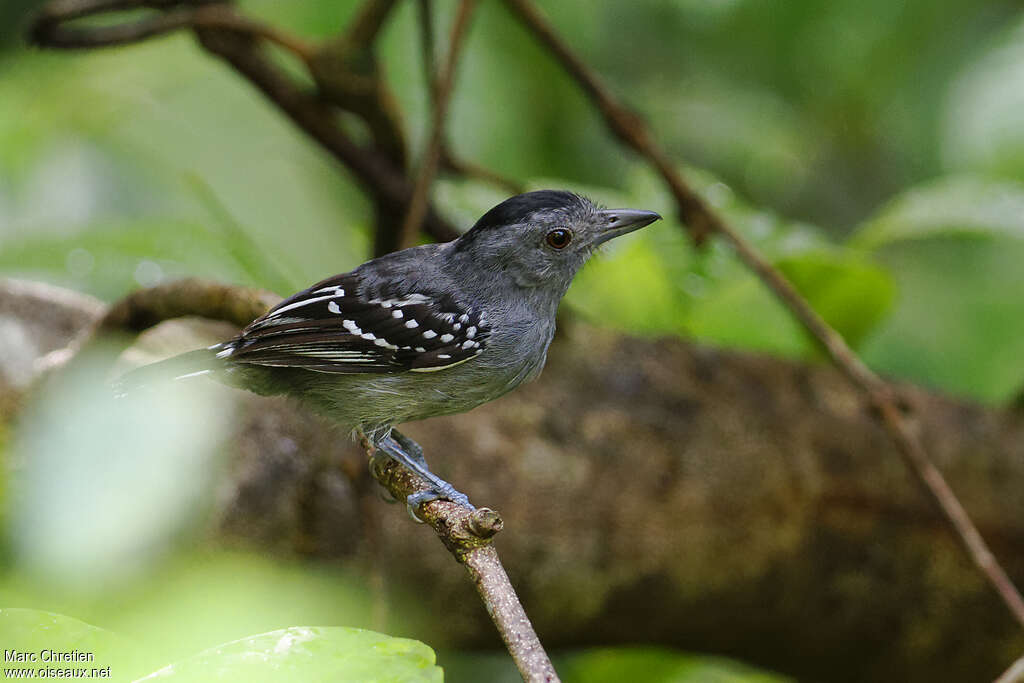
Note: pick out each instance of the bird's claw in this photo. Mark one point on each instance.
(448, 492)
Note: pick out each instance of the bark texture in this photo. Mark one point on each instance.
(654, 491)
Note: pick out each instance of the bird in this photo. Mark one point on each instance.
(430, 330)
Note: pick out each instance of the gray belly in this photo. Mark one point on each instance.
(373, 401)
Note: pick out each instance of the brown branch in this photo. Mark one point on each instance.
(449, 162)
(467, 536)
(49, 28)
(378, 175)
(702, 221)
(363, 30)
(428, 165)
(425, 15)
(1014, 674)
(145, 308)
(348, 76)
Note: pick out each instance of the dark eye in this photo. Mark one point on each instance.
(559, 238)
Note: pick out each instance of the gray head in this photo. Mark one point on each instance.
(541, 239)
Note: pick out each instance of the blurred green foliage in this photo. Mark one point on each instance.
(612, 665)
(873, 151)
(296, 654)
(310, 654)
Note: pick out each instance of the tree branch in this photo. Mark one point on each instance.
(702, 221)
(467, 535)
(448, 160)
(442, 96)
(348, 75)
(49, 28)
(364, 28)
(237, 42)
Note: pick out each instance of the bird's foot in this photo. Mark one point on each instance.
(407, 452)
(444, 492)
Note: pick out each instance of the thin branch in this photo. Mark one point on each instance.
(449, 162)
(428, 165)
(377, 174)
(425, 15)
(363, 30)
(702, 221)
(1014, 674)
(509, 617)
(467, 535)
(50, 30)
(347, 75)
(145, 308)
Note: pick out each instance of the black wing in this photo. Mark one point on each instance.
(338, 326)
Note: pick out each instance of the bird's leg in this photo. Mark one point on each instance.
(413, 449)
(397, 447)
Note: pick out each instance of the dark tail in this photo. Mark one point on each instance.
(192, 363)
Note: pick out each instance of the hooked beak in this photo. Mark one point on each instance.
(620, 221)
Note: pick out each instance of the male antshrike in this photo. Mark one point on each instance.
(431, 330)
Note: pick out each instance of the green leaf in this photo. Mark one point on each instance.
(745, 315)
(983, 121)
(655, 665)
(958, 324)
(961, 205)
(309, 655)
(628, 288)
(36, 635)
(955, 247)
(851, 294)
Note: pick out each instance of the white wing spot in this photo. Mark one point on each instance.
(457, 326)
(408, 300)
(471, 331)
(299, 303)
(385, 344)
(338, 291)
(333, 307)
(351, 326)
(467, 344)
(420, 349)
(464, 318)
(443, 355)
(397, 314)
(447, 337)
(429, 334)
(411, 324)
(368, 336)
